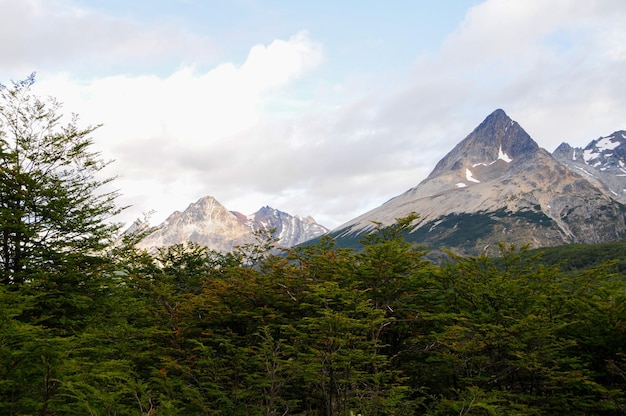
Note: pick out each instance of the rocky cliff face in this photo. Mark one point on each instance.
(289, 230)
(210, 224)
(602, 162)
(498, 185)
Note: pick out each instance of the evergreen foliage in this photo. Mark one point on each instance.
(576, 257)
(49, 200)
(319, 330)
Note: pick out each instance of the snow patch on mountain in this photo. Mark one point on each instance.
(470, 177)
(607, 143)
(603, 161)
(289, 230)
(503, 156)
(583, 170)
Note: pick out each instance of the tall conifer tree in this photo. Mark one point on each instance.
(50, 199)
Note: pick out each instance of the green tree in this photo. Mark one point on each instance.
(20, 348)
(50, 199)
(508, 336)
(336, 331)
(388, 261)
(393, 272)
(53, 229)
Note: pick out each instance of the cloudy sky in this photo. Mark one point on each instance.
(315, 107)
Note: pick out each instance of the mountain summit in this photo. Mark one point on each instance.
(210, 224)
(602, 162)
(496, 138)
(498, 185)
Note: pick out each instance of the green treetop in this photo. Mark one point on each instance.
(50, 202)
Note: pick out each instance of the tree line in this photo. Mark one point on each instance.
(90, 325)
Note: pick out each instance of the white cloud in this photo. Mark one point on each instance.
(52, 35)
(500, 28)
(554, 65)
(183, 136)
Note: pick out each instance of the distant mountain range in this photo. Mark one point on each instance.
(210, 224)
(602, 162)
(498, 185)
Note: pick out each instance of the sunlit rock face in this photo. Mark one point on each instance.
(498, 185)
(289, 230)
(210, 224)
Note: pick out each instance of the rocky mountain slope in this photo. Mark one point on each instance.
(498, 185)
(602, 162)
(210, 224)
(290, 230)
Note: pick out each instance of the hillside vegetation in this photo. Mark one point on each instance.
(572, 257)
(319, 331)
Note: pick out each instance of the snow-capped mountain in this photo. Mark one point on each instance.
(602, 162)
(289, 230)
(498, 185)
(210, 224)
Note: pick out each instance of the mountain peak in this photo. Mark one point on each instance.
(498, 137)
(207, 200)
(208, 223)
(497, 185)
(602, 162)
(496, 115)
(564, 151)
